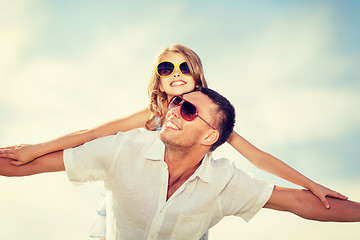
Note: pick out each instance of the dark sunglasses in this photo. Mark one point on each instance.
(165, 69)
(188, 110)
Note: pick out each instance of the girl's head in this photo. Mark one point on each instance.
(162, 88)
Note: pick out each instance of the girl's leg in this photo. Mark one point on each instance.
(98, 228)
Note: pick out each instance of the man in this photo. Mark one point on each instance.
(166, 185)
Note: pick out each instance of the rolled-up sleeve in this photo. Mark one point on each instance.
(91, 161)
(244, 195)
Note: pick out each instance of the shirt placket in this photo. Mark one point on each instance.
(162, 207)
(163, 204)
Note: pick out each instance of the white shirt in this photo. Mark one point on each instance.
(132, 166)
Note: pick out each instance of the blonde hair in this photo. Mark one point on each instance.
(158, 99)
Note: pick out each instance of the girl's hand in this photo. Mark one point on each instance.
(321, 192)
(21, 153)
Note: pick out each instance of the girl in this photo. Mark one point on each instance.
(177, 70)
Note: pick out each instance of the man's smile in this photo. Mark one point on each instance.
(171, 125)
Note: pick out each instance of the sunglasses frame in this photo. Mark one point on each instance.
(181, 105)
(175, 65)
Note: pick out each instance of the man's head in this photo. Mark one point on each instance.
(203, 118)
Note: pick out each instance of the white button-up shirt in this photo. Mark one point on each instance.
(132, 166)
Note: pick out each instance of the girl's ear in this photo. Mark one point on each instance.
(211, 137)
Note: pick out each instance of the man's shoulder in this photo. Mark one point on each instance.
(220, 167)
(227, 167)
(140, 142)
(139, 135)
(221, 163)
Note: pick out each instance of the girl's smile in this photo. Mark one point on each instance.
(177, 83)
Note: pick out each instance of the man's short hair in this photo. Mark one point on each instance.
(224, 119)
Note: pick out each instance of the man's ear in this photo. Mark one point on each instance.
(211, 137)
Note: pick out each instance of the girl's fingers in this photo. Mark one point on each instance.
(338, 195)
(6, 153)
(9, 147)
(325, 202)
(332, 194)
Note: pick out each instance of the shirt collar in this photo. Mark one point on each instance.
(205, 168)
(156, 153)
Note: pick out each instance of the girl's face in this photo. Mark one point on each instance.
(176, 83)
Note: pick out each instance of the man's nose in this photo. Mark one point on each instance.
(175, 112)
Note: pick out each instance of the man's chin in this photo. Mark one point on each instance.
(164, 134)
(167, 136)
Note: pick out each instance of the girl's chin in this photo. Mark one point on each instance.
(179, 91)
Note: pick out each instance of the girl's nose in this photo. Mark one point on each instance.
(177, 72)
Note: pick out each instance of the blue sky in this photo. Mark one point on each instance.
(291, 69)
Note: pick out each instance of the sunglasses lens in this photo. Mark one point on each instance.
(188, 111)
(184, 68)
(165, 68)
(175, 101)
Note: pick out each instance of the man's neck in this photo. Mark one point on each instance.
(181, 165)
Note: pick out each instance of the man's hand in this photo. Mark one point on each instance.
(9, 170)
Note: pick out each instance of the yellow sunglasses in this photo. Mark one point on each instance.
(165, 69)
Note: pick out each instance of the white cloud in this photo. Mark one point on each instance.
(62, 94)
(284, 84)
(19, 22)
(46, 207)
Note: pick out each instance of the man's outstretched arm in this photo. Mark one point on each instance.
(306, 205)
(52, 162)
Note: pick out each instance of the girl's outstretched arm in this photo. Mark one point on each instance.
(25, 153)
(273, 165)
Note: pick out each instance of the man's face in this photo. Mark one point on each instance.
(180, 133)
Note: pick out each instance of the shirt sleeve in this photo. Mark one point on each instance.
(93, 160)
(244, 195)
